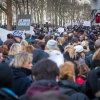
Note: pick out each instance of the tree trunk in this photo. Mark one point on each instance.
(9, 14)
(41, 12)
(16, 12)
(27, 8)
(56, 11)
(38, 17)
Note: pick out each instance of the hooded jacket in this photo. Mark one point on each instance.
(40, 86)
(21, 80)
(39, 54)
(68, 87)
(71, 89)
(92, 85)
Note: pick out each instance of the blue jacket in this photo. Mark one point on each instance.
(1, 42)
(21, 80)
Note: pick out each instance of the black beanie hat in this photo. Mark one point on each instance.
(6, 76)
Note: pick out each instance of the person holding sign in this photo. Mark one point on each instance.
(17, 36)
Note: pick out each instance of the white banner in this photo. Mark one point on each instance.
(60, 29)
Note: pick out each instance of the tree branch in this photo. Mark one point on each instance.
(4, 9)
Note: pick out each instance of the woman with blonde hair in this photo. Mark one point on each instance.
(14, 49)
(24, 43)
(60, 42)
(29, 49)
(96, 59)
(67, 79)
(69, 53)
(21, 66)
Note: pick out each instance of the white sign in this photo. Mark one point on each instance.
(24, 22)
(87, 23)
(3, 34)
(31, 31)
(60, 29)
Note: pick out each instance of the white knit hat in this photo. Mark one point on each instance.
(51, 45)
(78, 48)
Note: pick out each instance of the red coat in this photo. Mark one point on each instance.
(79, 80)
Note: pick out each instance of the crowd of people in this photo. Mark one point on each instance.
(51, 65)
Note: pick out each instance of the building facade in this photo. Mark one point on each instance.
(95, 8)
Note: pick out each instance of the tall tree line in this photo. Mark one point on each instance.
(56, 11)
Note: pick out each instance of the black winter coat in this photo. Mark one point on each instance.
(8, 59)
(42, 85)
(21, 80)
(95, 64)
(88, 60)
(92, 85)
(39, 54)
(68, 87)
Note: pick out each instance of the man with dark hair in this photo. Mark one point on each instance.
(65, 36)
(9, 36)
(74, 41)
(45, 74)
(46, 70)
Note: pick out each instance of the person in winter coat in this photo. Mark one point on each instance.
(28, 38)
(6, 81)
(91, 87)
(65, 36)
(80, 54)
(60, 41)
(17, 36)
(51, 46)
(74, 41)
(83, 71)
(96, 59)
(88, 59)
(67, 79)
(38, 55)
(45, 74)
(21, 66)
(69, 53)
(14, 49)
(91, 47)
